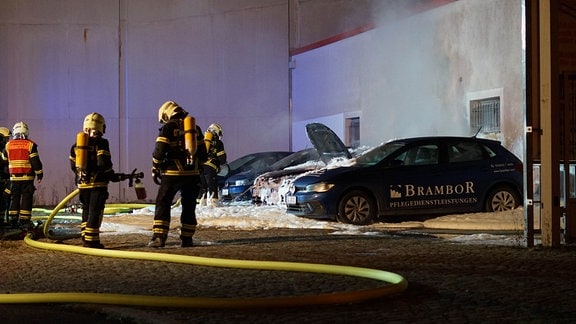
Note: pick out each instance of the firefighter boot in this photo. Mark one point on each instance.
(158, 240)
(186, 241)
(93, 244)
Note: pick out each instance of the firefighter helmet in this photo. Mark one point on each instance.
(20, 130)
(170, 109)
(5, 132)
(215, 129)
(94, 125)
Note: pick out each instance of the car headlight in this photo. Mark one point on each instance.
(243, 182)
(319, 187)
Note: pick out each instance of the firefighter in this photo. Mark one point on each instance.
(5, 134)
(91, 162)
(24, 166)
(176, 162)
(210, 169)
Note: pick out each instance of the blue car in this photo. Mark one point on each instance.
(413, 176)
(237, 176)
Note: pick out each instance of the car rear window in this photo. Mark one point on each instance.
(468, 151)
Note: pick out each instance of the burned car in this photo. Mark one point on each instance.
(271, 187)
(236, 177)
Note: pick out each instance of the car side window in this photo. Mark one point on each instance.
(467, 151)
(422, 155)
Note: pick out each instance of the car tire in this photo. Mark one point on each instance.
(357, 207)
(502, 198)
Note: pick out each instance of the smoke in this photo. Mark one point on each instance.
(410, 89)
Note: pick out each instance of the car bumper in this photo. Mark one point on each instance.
(236, 193)
(310, 206)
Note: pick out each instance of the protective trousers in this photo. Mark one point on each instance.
(22, 195)
(4, 200)
(189, 187)
(210, 182)
(93, 201)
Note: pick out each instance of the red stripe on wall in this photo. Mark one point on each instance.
(332, 39)
(418, 9)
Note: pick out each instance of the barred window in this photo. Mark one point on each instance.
(485, 115)
(353, 132)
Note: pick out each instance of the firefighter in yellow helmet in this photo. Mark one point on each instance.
(210, 169)
(5, 134)
(24, 166)
(91, 161)
(176, 168)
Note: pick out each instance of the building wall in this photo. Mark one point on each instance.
(224, 61)
(413, 76)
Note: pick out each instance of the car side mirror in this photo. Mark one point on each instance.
(224, 170)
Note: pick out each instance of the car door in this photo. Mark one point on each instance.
(451, 184)
(409, 182)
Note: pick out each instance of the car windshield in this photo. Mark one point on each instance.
(297, 158)
(377, 154)
(241, 162)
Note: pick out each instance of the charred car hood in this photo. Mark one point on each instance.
(326, 142)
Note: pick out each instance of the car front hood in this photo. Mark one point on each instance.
(326, 142)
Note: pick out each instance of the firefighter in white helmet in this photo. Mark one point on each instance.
(91, 161)
(176, 168)
(210, 169)
(24, 166)
(5, 134)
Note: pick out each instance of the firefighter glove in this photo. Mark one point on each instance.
(156, 175)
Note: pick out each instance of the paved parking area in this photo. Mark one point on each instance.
(448, 282)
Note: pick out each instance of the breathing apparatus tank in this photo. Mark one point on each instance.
(81, 151)
(208, 140)
(190, 135)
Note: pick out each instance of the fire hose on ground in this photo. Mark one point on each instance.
(393, 283)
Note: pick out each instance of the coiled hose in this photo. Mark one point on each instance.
(393, 283)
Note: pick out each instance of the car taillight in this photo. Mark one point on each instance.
(519, 167)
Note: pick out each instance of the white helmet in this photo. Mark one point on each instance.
(94, 125)
(170, 109)
(20, 130)
(215, 129)
(5, 132)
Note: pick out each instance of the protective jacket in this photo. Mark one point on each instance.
(99, 169)
(216, 154)
(170, 155)
(23, 160)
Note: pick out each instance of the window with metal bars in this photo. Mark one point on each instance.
(353, 132)
(485, 115)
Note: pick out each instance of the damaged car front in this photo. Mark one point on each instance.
(271, 187)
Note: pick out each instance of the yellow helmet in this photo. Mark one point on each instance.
(215, 129)
(20, 130)
(94, 125)
(168, 110)
(5, 132)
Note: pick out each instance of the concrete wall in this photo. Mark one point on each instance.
(224, 61)
(414, 76)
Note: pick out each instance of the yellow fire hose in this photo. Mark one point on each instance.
(394, 283)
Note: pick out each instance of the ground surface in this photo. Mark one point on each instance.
(447, 282)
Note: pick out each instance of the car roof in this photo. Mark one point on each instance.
(443, 138)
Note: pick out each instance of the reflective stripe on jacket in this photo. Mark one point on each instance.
(20, 156)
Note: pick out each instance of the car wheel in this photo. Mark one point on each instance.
(357, 207)
(501, 199)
